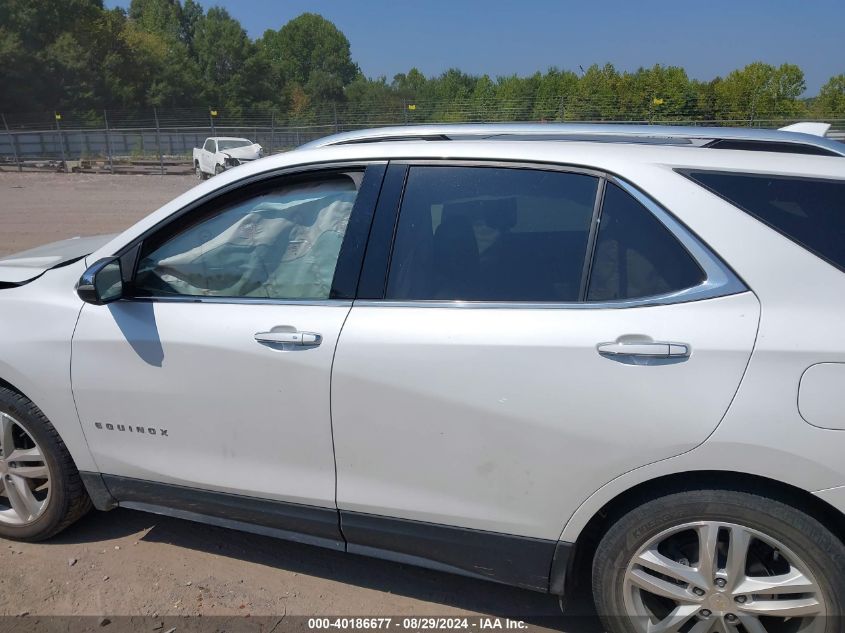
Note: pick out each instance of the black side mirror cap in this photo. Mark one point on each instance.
(102, 283)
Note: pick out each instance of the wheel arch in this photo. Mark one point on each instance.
(64, 421)
(580, 561)
(11, 387)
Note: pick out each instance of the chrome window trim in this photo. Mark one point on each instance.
(340, 303)
(644, 302)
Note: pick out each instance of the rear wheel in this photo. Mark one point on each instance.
(722, 561)
(198, 172)
(41, 492)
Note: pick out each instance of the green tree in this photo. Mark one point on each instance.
(516, 97)
(191, 15)
(373, 99)
(595, 98)
(659, 93)
(232, 73)
(555, 91)
(759, 92)
(311, 52)
(830, 104)
(48, 54)
(155, 39)
(162, 17)
(485, 102)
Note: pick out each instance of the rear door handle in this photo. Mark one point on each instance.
(300, 339)
(649, 350)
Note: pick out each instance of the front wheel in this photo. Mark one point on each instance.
(218, 169)
(41, 492)
(707, 561)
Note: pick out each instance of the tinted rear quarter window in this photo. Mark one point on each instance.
(636, 256)
(809, 211)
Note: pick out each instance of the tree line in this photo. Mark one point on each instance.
(77, 55)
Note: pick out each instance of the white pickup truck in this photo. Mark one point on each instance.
(219, 153)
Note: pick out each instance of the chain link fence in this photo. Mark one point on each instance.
(161, 141)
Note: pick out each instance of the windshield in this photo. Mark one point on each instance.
(221, 145)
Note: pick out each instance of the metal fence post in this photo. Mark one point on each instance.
(61, 142)
(158, 142)
(108, 141)
(272, 132)
(14, 143)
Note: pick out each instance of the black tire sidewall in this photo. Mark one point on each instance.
(816, 546)
(29, 418)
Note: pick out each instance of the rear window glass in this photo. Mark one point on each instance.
(809, 211)
(491, 234)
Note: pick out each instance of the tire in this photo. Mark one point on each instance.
(780, 539)
(218, 169)
(199, 172)
(67, 500)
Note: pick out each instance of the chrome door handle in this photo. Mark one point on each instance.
(650, 350)
(301, 339)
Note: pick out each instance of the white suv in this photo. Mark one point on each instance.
(554, 355)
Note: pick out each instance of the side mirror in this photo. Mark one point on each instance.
(102, 283)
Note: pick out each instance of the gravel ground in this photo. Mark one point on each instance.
(127, 563)
(39, 208)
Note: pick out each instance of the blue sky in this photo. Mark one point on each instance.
(498, 37)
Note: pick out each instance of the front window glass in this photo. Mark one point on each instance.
(281, 244)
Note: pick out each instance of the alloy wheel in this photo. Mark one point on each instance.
(719, 577)
(24, 475)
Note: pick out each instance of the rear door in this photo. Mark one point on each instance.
(538, 333)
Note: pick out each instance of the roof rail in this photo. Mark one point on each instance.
(759, 139)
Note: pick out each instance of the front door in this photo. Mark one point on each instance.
(215, 375)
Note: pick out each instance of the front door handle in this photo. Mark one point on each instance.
(300, 339)
(645, 349)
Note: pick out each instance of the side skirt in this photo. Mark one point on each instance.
(290, 521)
(512, 560)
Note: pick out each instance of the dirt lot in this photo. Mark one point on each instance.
(40, 208)
(126, 563)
